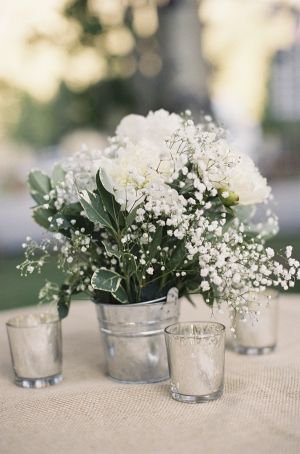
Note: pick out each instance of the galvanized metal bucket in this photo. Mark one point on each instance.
(133, 336)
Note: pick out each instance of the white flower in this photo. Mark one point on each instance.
(155, 128)
(205, 286)
(245, 180)
(144, 158)
(133, 169)
(288, 251)
(181, 176)
(137, 167)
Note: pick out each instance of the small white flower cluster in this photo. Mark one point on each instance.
(80, 171)
(191, 196)
(179, 176)
(36, 256)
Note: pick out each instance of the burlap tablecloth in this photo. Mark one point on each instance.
(88, 413)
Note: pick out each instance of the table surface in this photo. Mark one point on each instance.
(89, 413)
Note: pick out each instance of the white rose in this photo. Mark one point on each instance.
(155, 128)
(144, 157)
(132, 127)
(246, 181)
(133, 168)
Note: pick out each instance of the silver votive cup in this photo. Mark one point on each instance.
(255, 332)
(196, 355)
(35, 342)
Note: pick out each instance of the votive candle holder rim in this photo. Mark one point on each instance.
(195, 336)
(11, 324)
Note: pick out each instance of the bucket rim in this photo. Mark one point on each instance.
(163, 299)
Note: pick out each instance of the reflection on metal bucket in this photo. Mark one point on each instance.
(133, 336)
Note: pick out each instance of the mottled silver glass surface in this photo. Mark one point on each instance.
(35, 342)
(256, 332)
(196, 354)
(133, 336)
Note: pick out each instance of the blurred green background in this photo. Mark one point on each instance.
(71, 69)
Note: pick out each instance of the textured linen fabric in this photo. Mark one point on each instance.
(89, 413)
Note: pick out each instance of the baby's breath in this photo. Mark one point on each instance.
(177, 203)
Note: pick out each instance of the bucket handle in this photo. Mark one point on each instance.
(172, 297)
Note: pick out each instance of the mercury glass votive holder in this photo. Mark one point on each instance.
(255, 332)
(196, 355)
(35, 342)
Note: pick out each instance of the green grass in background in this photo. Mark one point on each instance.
(17, 291)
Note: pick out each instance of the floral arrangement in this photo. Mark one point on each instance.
(167, 203)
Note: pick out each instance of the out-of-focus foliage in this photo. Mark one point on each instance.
(71, 64)
(99, 106)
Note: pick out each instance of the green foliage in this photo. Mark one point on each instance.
(129, 264)
(131, 216)
(58, 175)
(41, 217)
(39, 185)
(94, 209)
(60, 223)
(111, 250)
(106, 280)
(99, 106)
(127, 282)
(178, 256)
(110, 205)
(209, 297)
(121, 295)
(64, 301)
(231, 200)
(156, 241)
(118, 263)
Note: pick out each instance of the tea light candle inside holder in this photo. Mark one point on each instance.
(256, 331)
(196, 360)
(35, 342)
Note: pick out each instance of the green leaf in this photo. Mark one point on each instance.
(129, 264)
(178, 256)
(60, 222)
(41, 215)
(72, 210)
(64, 301)
(230, 213)
(156, 241)
(40, 185)
(58, 175)
(131, 216)
(101, 297)
(106, 280)
(92, 205)
(209, 297)
(110, 205)
(110, 250)
(121, 295)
